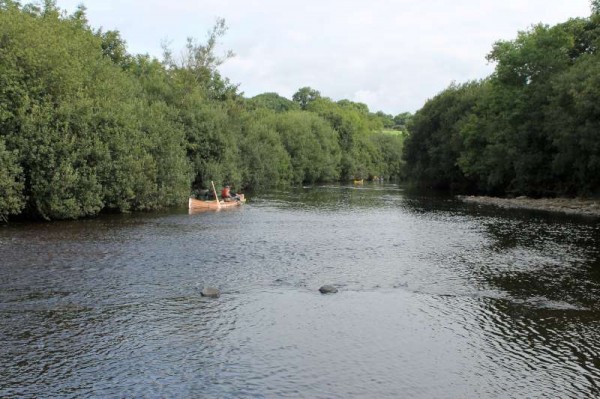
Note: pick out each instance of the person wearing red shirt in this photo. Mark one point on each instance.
(227, 195)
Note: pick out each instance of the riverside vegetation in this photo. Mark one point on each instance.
(86, 127)
(531, 128)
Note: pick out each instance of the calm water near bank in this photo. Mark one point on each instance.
(437, 299)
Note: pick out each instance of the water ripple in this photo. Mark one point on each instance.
(437, 299)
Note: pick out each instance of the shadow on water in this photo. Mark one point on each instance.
(545, 257)
(527, 253)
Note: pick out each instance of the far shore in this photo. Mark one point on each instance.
(574, 206)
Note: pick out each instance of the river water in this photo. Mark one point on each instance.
(437, 299)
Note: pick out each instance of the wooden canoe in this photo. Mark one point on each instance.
(196, 204)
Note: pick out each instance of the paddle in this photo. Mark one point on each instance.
(216, 196)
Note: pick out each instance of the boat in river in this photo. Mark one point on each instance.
(196, 204)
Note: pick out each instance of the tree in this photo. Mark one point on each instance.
(434, 144)
(387, 121)
(12, 200)
(311, 144)
(305, 96)
(359, 107)
(273, 101)
(353, 125)
(114, 47)
(197, 66)
(80, 132)
(389, 149)
(572, 123)
(515, 120)
(402, 121)
(266, 163)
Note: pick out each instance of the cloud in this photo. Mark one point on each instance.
(391, 55)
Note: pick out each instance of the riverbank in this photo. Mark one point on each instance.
(573, 206)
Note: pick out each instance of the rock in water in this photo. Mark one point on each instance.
(210, 292)
(328, 289)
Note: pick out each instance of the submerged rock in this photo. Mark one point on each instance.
(328, 289)
(210, 292)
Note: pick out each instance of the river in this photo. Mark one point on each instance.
(437, 299)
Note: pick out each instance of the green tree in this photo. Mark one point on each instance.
(386, 120)
(198, 63)
(509, 146)
(114, 47)
(12, 200)
(272, 101)
(87, 135)
(389, 149)
(305, 96)
(353, 125)
(573, 123)
(265, 161)
(434, 145)
(311, 144)
(402, 121)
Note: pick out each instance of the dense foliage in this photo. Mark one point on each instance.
(86, 127)
(531, 128)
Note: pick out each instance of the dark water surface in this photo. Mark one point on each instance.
(437, 299)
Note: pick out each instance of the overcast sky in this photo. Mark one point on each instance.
(391, 55)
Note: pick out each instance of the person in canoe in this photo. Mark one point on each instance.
(204, 195)
(229, 195)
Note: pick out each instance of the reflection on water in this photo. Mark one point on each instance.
(437, 299)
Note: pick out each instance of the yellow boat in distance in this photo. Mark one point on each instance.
(358, 181)
(196, 204)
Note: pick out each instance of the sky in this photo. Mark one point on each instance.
(391, 55)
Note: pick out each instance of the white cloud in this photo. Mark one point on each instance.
(391, 55)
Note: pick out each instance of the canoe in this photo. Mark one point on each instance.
(196, 204)
(358, 181)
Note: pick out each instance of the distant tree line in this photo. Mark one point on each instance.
(531, 128)
(86, 127)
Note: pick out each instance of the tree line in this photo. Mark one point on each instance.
(86, 127)
(531, 128)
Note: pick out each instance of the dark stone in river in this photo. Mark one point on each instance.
(328, 289)
(210, 292)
